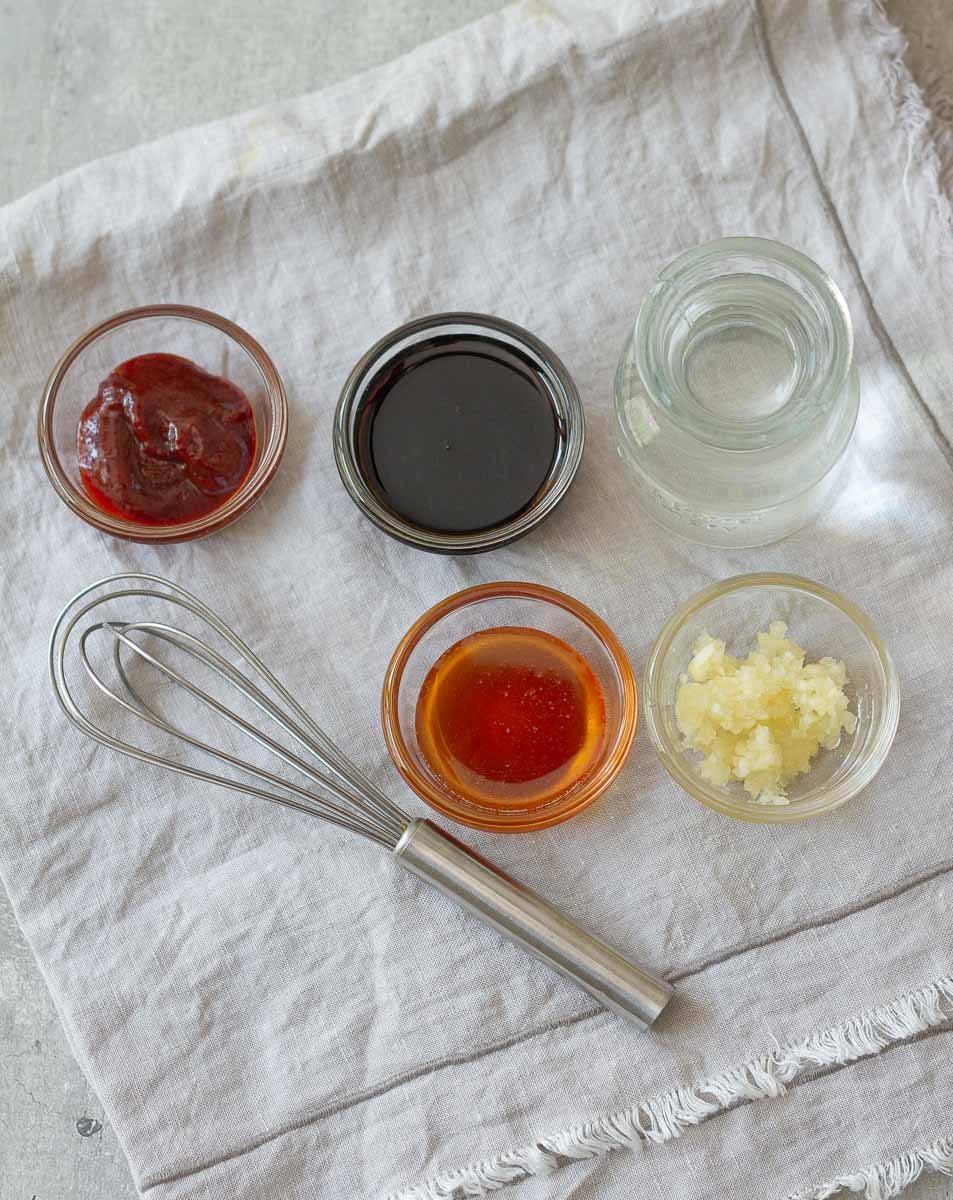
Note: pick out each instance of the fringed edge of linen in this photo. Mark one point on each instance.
(667, 1116)
(914, 114)
(883, 1180)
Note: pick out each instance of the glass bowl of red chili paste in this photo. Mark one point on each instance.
(162, 424)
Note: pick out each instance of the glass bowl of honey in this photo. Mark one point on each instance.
(509, 707)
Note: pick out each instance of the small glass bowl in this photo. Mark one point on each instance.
(215, 344)
(826, 625)
(380, 358)
(486, 607)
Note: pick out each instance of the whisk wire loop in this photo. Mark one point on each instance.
(306, 803)
(203, 653)
(357, 805)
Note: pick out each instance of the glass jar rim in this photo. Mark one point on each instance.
(791, 419)
(562, 391)
(237, 504)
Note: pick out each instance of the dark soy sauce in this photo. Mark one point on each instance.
(459, 434)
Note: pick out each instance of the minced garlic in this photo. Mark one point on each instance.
(761, 720)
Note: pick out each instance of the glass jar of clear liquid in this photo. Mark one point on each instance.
(736, 395)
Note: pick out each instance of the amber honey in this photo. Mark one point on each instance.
(511, 717)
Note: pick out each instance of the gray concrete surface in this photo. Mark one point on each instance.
(83, 78)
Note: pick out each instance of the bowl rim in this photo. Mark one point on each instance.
(673, 757)
(555, 486)
(553, 813)
(237, 504)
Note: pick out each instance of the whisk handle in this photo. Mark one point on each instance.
(522, 917)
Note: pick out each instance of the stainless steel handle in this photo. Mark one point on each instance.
(529, 921)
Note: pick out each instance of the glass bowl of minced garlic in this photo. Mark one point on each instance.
(771, 698)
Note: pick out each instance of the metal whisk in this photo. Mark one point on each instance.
(334, 789)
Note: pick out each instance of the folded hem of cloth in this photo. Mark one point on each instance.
(927, 1010)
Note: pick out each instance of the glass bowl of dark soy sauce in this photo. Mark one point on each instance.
(458, 433)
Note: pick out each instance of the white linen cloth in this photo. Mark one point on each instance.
(267, 1007)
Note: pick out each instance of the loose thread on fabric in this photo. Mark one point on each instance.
(914, 115)
(884, 1180)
